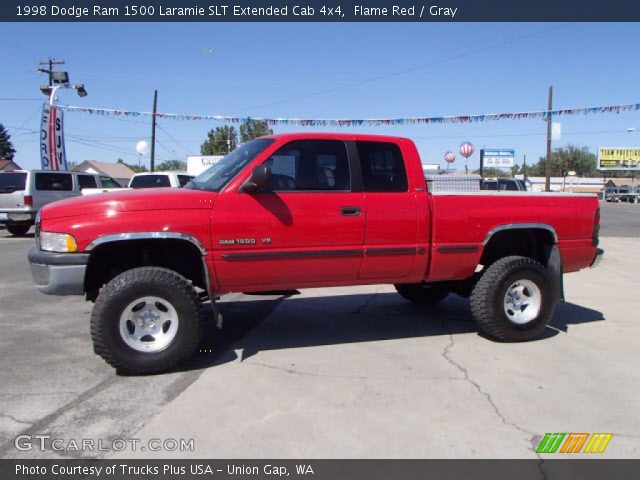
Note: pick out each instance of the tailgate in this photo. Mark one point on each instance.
(12, 186)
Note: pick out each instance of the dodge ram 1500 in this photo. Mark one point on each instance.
(306, 210)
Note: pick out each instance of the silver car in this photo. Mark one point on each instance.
(24, 192)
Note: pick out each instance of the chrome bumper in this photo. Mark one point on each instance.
(58, 273)
(597, 258)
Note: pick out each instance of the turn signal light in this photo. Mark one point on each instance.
(28, 201)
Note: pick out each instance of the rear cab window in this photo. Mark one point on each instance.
(383, 168)
(56, 182)
(12, 181)
(150, 181)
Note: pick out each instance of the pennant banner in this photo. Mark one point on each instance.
(341, 122)
(52, 152)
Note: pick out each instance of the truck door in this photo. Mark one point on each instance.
(308, 229)
(391, 226)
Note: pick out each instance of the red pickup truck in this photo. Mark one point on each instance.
(306, 210)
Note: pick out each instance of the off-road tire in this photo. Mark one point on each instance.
(17, 230)
(126, 288)
(422, 293)
(488, 296)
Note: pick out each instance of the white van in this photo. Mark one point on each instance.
(24, 192)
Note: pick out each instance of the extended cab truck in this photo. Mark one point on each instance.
(306, 210)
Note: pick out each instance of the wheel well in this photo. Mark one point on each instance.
(111, 259)
(534, 243)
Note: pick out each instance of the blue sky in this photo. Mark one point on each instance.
(324, 71)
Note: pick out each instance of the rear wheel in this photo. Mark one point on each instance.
(146, 320)
(18, 230)
(514, 299)
(422, 293)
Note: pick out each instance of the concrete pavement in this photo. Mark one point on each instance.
(360, 373)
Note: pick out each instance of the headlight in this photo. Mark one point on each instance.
(57, 242)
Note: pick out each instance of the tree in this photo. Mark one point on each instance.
(135, 168)
(171, 165)
(7, 152)
(216, 142)
(566, 159)
(251, 129)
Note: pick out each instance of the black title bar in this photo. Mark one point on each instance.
(319, 469)
(319, 11)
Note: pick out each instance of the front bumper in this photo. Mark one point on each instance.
(597, 258)
(58, 273)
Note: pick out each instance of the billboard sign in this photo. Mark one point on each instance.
(196, 164)
(618, 158)
(52, 152)
(499, 157)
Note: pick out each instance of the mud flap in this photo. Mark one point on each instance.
(554, 264)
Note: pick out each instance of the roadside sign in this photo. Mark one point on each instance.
(52, 151)
(499, 157)
(431, 166)
(619, 158)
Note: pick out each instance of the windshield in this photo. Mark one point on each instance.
(10, 182)
(218, 175)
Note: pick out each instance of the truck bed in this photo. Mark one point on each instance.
(463, 222)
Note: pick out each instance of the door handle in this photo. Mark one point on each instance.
(350, 211)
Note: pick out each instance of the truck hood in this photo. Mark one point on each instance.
(130, 201)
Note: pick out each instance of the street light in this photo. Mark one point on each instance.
(59, 80)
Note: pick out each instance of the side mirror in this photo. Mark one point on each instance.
(260, 180)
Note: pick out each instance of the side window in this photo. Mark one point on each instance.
(87, 181)
(320, 165)
(382, 167)
(508, 185)
(108, 182)
(184, 179)
(58, 182)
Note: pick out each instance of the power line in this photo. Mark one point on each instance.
(189, 151)
(411, 69)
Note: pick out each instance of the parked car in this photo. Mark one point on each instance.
(500, 184)
(160, 179)
(614, 194)
(306, 210)
(149, 180)
(24, 192)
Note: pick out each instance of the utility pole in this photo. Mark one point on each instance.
(51, 62)
(153, 131)
(481, 161)
(547, 183)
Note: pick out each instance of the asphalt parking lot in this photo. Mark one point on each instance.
(336, 373)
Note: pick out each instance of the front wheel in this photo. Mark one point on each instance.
(514, 299)
(146, 320)
(18, 230)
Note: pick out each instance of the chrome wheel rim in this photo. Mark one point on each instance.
(522, 301)
(149, 324)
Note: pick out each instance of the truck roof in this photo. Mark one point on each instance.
(335, 136)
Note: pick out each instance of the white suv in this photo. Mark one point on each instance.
(24, 192)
